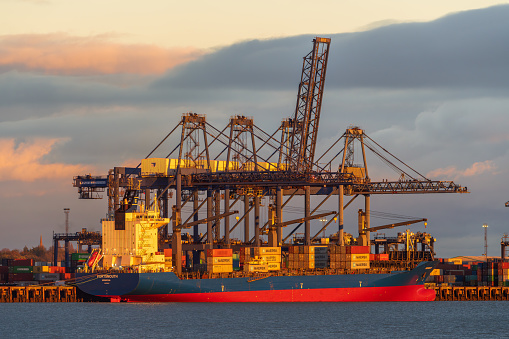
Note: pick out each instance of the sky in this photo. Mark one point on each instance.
(86, 86)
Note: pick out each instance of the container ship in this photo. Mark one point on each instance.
(220, 168)
(326, 273)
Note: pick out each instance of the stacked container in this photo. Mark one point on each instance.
(268, 255)
(261, 259)
(349, 257)
(307, 257)
(503, 274)
(21, 270)
(220, 260)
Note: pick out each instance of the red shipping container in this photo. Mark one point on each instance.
(167, 252)
(219, 252)
(373, 257)
(503, 265)
(183, 260)
(23, 262)
(21, 277)
(357, 249)
(384, 256)
(54, 269)
(4, 269)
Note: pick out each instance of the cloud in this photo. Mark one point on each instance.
(70, 55)
(24, 161)
(461, 50)
(476, 169)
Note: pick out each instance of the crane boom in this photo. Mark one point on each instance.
(307, 112)
(403, 223)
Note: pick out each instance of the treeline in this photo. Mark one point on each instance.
(39, 253)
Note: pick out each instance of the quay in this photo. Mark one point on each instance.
(12, 294)
(457, 293)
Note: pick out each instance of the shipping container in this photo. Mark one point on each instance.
(220, 261)
(219, 252)
(167, 252)
(270, 258)
(22, 262)
(258, 251)
(47, 276)
(20, 269)
(273, 266)
(220, 268)
(357, 264)
(357, 250)
(41, 269)
(20, 277)
(321, 264)
(321, 257)
(155, 166)
(255, 267)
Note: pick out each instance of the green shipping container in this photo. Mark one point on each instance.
(21, 269)
(80, 256)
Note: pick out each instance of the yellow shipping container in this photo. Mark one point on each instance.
(269, 258)
(359, 257)
(274, 266)
(266, 250)
(436, 271)
(219, 268)
(155, 166)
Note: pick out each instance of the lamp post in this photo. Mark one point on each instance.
(485, 226)
(323, 220)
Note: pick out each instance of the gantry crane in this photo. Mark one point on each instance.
(257, 165)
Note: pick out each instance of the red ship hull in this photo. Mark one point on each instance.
(366, 294)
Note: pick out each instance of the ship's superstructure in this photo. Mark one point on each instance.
(130, 240)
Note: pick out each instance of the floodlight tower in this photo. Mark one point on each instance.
(66, 211)
(485, 226)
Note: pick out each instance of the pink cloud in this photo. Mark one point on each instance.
(67, 55)
(452, 172)
(22, 162)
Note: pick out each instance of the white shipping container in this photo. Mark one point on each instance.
(357, 264)
(219, 261)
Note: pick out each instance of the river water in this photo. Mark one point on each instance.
(477, 319)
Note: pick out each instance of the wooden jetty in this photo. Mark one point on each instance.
(451, 293)
(12, 294)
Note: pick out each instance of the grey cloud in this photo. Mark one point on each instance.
(465, 49)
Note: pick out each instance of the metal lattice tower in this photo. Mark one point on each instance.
(192, 126)
(304, 129)
(241, 135)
